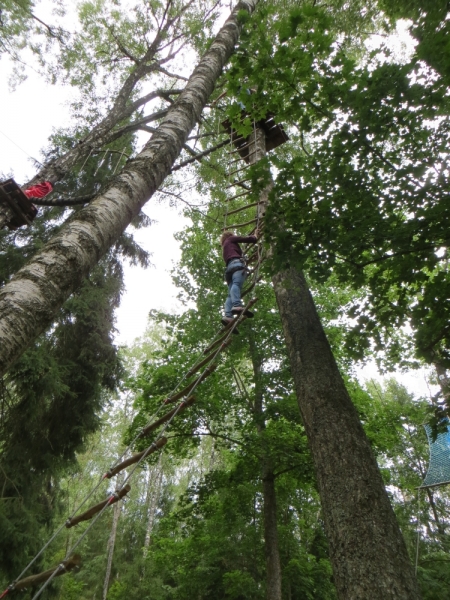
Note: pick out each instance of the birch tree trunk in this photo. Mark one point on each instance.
(367, 550)
(29, 302)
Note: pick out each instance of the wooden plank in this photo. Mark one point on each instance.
(240, 149)
(206, 360)
(237, 196)
(237, 183)
(14, 196)
(238, 210)
(244, 168)
(4, 197)
(90, 512)
(178, 409)
(67, 565)
(206, 373)
(239, 225)
(136, 457)
(220, 340)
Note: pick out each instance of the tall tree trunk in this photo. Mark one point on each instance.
(273, 564)
(154, 492)
(29, 302)
(367, 550)
(110, 547)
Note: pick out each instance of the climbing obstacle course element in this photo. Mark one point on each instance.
(208, 371)
(438, 472)
(96, 511)
(73, 562)
(275, 136)
(137, 458)
(88, 514)
(177, 410)
(14, 198)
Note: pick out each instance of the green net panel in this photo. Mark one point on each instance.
(439, 468)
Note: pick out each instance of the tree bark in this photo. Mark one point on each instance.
(271, 547)
(29, 302)
(273, 564)
(110, 547)
(153, 495)
(367, 550)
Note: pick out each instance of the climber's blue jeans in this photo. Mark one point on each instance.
(235, 286)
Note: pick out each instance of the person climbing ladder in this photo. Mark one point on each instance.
(235, 272)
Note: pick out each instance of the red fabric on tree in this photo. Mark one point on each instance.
(39, 191)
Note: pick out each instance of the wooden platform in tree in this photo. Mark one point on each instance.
(22, 208)
(275, 135)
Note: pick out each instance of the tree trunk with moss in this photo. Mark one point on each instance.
(271, 546)
(367, 550)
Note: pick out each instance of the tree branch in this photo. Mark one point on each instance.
(63, 201)
(136, 125)
(286, 470)
(121, 47)
(174, 75)
(152, 95)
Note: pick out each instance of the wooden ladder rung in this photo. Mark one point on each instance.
(67, 565)
(237, 183)
(241, 195)
(236, 160)
(220, 340)
(239, 225)
(88, 514)
(238, 210)
(189, 387)
(206, 360)
(243, 147)
(252, 257)
(136, 457)
(238, 170)
(178, 409)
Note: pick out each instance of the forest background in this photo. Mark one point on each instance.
(193, 524)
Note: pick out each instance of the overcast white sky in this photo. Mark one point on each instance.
(27, 117)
